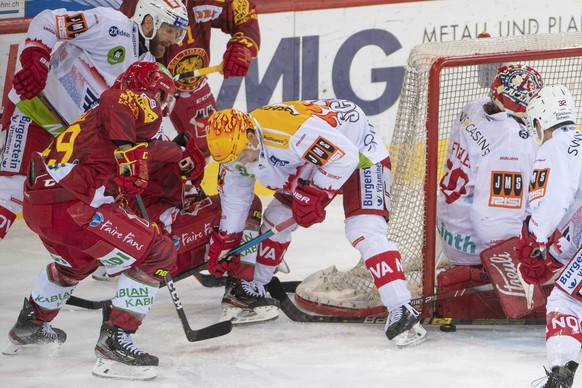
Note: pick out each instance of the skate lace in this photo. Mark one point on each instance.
(253, 289)
(126, 343)
(395, 315)
(47, 331)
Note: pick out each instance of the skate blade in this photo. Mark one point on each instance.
(116, 370)
(240, 316)
(13, 349)
(412, 337)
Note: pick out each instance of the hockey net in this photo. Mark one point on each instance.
(439, 79)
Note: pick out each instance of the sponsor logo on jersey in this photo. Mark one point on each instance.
(206, 13)
(115, 31)
(278, 162)
(106, 226)
(15, 142)
(475, 134)
(71, 26)
(176, 241)
(506, 189)
(323, 151)
(538, 184)
(570, 279)
(458, 241)
(116, 55)
(161, 273)
(193, 236)
(372, 188)
(275, 140)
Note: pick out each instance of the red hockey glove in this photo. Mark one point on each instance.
(240, 50)
(31, 79)
(220, 242)
(133, 169)
(192, 163)
(308, 204)
(534, 267)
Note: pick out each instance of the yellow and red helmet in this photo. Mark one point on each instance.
(226, 134)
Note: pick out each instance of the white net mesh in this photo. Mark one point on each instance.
(440, 78)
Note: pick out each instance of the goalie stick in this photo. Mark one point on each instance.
(297, 315)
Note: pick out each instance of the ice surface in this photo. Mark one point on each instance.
(280, 353)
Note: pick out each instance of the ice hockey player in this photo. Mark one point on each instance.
(307, 151)
(195, 101)
(556, 202)
(97, 45)
(75, 200)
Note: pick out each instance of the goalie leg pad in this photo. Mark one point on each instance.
(117, 370)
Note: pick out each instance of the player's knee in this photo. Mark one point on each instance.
(159, 261)
(367, 233)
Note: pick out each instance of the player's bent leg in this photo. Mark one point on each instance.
(563, 340)
(137, 287)
(32, 327)
(367, 233)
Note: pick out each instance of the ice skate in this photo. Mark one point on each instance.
(245, 302)
(403, 326)
(559, 377)
(119, 358)
(28, 332)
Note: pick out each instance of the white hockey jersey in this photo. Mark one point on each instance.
(555, 196)
(483, 194)
(319, 141)
(97, 46)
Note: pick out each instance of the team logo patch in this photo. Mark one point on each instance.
(176, 241)
(538, 184)
(71, 26)
(506, 189)
(322, 151)
(186, 61)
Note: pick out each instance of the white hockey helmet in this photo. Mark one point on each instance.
(550, 106)
(172, 12)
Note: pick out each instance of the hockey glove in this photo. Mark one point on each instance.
(535, 267)
(240, 50)
(192, 163)
(308, 204)
(133, 169)
(31, 79)
(220, 242)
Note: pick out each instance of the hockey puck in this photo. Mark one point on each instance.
(449, 328)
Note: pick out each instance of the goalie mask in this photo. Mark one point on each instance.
(172, 12)
(550, 106)
(226, 134)
(512, 88)
(150, 76)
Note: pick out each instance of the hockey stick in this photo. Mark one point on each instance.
(452, 294)
(50, 107)
(295, 314)
(214, 330)
(262, 237)
(199, 72)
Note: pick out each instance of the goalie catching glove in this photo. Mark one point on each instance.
(535, 266)
(220, 242)
(133, 169)
(309, 202)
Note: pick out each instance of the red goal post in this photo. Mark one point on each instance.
(440, 78)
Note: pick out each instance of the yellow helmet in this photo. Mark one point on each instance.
(226, 134)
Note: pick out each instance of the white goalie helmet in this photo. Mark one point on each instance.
(172, 12)
(551, 105)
